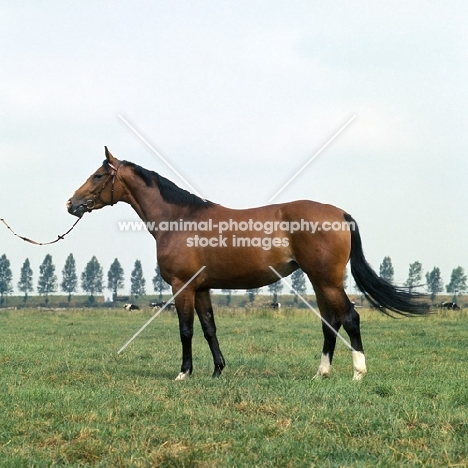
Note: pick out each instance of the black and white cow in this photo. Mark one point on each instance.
(161, 304)
(449, 306)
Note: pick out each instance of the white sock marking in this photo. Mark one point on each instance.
(182, 375)
(359, 365)
(324, 367)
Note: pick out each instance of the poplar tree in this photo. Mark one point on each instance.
(138, 283)
(159, 284)
(6, 277)
(298, 283)
(91, 278)
(228, 293)
(457, 283)
(434, 282)
(47, 282)
(275, 289)
(386, 270)
(115, 278)
(251, 293)
(25, 284)
(414, 276)
(69, 278)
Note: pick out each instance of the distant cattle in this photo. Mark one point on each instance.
(161, 304)
(131, 307)
(449, 306)
(275, 305)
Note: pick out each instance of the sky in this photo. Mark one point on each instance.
(237, 96)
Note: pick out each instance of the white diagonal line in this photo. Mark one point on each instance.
(313, 310)
(160, 310)
(312, 158)
(158, 155)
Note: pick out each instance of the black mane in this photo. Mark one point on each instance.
(169, 191)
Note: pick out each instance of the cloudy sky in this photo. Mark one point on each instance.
(238, 96)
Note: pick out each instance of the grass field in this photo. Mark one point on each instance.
(67, 398)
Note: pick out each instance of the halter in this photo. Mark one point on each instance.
(90, 204)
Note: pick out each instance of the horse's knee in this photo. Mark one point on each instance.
(186, 332)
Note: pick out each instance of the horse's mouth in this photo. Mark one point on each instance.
(78, 211)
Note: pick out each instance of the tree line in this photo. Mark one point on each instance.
(92, 279)
(434, 283)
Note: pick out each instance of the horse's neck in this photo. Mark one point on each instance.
(148, 202)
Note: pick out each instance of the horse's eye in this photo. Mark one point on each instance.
(98, 176)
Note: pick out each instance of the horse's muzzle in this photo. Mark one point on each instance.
(78, 211)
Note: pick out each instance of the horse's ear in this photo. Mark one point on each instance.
(109, 156)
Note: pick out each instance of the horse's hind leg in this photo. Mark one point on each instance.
(330, 327)
(205, 314)
(336, 310)
(352, 327)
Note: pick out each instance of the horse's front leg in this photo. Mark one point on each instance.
(185, 310)
(205, 314)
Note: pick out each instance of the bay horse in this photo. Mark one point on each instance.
(281, 238)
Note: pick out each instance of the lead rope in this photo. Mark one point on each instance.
(93, 200)
(39, 243)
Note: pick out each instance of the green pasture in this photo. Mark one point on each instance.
(68, 399)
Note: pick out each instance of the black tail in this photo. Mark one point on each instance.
(380, 293)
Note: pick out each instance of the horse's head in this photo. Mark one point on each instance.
(98, 190)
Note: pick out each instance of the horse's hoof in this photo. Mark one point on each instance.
(182, 375)
(216, 373)
(318, 375)
(358, 375)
